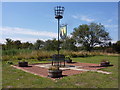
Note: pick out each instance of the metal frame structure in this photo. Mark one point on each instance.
(59, 10)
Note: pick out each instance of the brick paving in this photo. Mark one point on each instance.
(71, 72)
(89, 66)
(43, 72)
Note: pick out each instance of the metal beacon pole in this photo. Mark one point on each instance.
(58, 15)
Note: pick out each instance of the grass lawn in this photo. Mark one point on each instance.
(14, 78)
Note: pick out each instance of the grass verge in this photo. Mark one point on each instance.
(14, 78)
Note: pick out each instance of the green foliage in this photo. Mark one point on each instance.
(38, 44)
(6, 58)
(10, 44)
(44, 55)
(90, 35)
(15, 51)
(9, 62)
(116, 46)
(109, 50)
(10, 52)
(69, 44)
(27, 45)
(51, 45)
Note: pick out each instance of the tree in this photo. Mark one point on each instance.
(69, 44)
(9, 43)
(17, 44)
(51, 45)
(116, 46)
(90, 35)
(4, 47)
(38, 44)
(27, 45)
(110, 44)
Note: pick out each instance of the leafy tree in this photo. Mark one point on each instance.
(90, 35)
(27, 45)
(51, 45)
(110, 44)
(9, 43)
(38, 44)
(69, 44)
(4, 47)
(116, 46)
(17, 44)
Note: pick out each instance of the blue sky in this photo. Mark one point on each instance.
(29, 21)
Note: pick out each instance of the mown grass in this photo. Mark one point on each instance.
(15, 78)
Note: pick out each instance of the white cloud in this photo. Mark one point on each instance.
(75, 17)
(111, 26)
(83, 18)
(32, 40)
(2, 41)
(109, 20)
(23, 39)
(25, 35)
(87, 19)
(16, 30)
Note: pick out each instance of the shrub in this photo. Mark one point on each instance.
(9, 62)
(39, 58)
(20, 57)
(6, 58)
(109, 50)
(73, 55)
(10, 52)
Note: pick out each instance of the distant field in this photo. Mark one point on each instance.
(14, 78)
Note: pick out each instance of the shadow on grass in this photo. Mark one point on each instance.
(57, 77)
(73, 62)
(100, 66)
(28, 66)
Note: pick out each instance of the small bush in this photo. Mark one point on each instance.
(73, 55)
(39, 58)
(110, 50)
(20, 57)
(9, 62)
(6, 58)
(10, 52)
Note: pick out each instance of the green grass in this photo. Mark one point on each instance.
(19, 79)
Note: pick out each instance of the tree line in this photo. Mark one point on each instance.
(87, 37)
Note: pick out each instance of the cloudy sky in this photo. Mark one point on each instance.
(29, 21)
